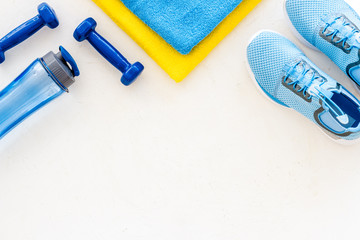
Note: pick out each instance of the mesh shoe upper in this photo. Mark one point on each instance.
(288, 77)
(331, 26)
(306, 15)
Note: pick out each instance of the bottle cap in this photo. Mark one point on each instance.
(58, 67)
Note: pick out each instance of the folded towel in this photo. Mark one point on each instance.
(178, 66)
(182, 23)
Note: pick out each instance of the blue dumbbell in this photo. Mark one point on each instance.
(46, 17)
(86, 30)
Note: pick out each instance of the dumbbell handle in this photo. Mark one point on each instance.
(86, 31)
(109, 52)
(21, 33)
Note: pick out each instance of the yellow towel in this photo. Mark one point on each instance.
(178, 66)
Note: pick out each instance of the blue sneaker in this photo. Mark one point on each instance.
(290, 79)
(331, 26)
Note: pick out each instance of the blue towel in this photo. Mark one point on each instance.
(182, 23)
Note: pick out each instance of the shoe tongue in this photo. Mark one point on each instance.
(344, 30)
(298, 74)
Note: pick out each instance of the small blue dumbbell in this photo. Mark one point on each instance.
(46, 17)
(86, 30)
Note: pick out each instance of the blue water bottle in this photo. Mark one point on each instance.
(44, 80)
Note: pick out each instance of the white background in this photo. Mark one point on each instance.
(209, 158)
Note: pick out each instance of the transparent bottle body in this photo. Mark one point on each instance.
(26, 94)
